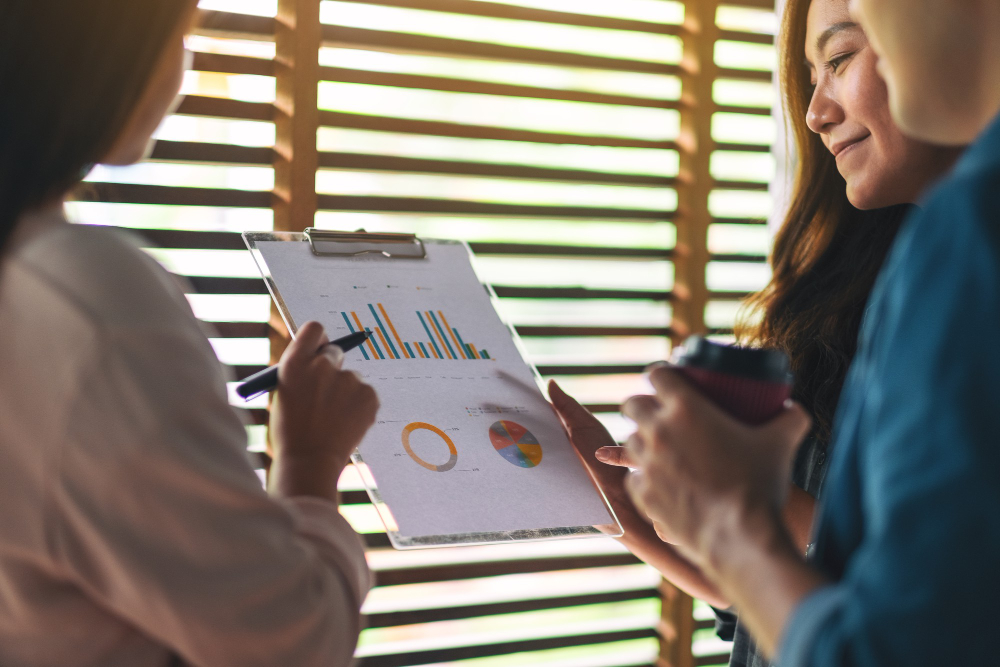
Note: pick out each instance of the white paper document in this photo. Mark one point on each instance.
(465, 442)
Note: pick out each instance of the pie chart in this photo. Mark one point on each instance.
(516, 444)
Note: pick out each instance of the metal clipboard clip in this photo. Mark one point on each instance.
(326, 243)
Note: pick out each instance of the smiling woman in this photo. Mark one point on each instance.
(854, 170)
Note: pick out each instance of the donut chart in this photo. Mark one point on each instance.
(452, 451)
(516, 444)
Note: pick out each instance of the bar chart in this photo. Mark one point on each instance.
(442, 341)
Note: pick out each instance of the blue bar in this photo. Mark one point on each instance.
(385, 333)
(361, 347)
(486, 355)
(430, 335)
(444, 335)
(409, 350)
(375, 343)
(426, 353)
(468, 350)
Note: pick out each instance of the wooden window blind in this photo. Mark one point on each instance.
(608, 162)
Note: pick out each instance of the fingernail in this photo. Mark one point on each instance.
(601, 455)
(656, 364)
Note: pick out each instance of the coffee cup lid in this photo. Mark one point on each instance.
(758, 364)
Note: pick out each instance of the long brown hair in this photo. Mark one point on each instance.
(826, 255)
(71, 74)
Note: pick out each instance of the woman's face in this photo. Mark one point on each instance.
(133, 143)
(850, 111)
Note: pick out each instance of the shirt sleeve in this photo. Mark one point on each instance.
(928, 460)
(159, 517)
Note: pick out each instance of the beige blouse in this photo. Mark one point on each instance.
(133, 529)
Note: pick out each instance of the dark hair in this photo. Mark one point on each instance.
(826, 255)
(71, 74)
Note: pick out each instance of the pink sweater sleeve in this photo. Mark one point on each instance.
(158, 516)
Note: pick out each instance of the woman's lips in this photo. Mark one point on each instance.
(848, 146)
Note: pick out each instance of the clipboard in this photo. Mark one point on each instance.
(482, 450)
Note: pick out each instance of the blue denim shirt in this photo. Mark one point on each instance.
(909, 528)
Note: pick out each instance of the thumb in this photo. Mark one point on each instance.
(569, 409)
(309, 339)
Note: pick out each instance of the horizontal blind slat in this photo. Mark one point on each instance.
(192, 151)
(218, 107)
(234, 25)
(129, 193)
(240, 329)
(389, 619)
(401, 42)
(485, 650)
(359, 161)
(454, 85)
(581, 293)
(458, 207)
(747, 37)
(765, 76)
(209, 240)
(229, 64)
(469, 131)
(475, 570)
(521, 13)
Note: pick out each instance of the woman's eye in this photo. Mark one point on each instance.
(834, 63)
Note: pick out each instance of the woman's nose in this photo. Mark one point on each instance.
(824, 111)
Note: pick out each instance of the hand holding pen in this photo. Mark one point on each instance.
(319, 415)
(267, 379)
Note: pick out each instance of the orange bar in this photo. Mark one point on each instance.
(388, 350)
(392, 328)
(474, 353)
(434, 352)
(444, 346)
(371, 345)
(452, 333)
(419, 351)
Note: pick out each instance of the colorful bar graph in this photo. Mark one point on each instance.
(437, 352)
(445, 345)
(383, 334)
(443, 336)
(351, 329)
(371, 342)
(444, 342)
(378, 332)
(454, 336)
(392, 327)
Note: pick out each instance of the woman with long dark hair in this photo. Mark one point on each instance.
(134, 530)
(856, 176)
